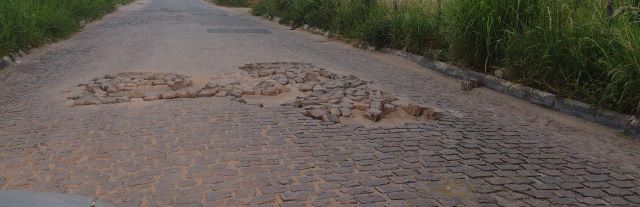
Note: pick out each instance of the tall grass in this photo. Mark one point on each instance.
(413, 32)
(574, 49)
(29, 23)
(350, 15)
(270, 8)
(587, 50)
(320, 13)
(622, 59)
(376, 28)
(477, 30)
(557, 53)
(295, 12)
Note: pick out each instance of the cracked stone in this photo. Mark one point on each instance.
(183, 93)
(293, 196)
(330, 118)
(269, 92)
(236, 92)
(283, 81)
(345, 112)
(222, 94)
(168, 95)
(360, 106)
(151, 98)
(388, 108)
(311, 78)
(266, 73)
(316, 113)
(372, 198)
(374, 115)
(207, 93)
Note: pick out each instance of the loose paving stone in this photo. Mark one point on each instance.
(537, 202)
(371, 198)
(217, 196)
(293, 196)
(120, 88)
(633, 199)
(402, 196)
(469, 84)
(563, 201)
(595, 193)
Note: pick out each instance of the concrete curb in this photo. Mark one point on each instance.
(5, 62)
(627, 124)
(11, 59)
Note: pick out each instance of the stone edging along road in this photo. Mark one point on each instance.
(627, 124)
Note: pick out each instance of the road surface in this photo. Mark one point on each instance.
(487, 149)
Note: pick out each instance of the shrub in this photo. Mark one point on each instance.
(321, 13)
(260, 9)
(270, 8)
(294, 12)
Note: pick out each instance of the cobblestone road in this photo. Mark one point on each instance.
(487, 150)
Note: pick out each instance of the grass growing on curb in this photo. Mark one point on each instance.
(416, 33)
(586, 50)
(30, 23)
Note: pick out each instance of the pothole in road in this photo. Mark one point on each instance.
(322, 94)
(337, 98)
(238, 31)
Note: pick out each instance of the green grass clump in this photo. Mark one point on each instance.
(622, 91)
(417, 27)
(556, 53)
(294, 14)
(270, 8)
(317, 13)
(350, 15)
(376, 28)
(477, 30)
(29, 23)
(320, 13)
(575, 49)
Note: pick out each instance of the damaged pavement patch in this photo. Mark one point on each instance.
(322, 94)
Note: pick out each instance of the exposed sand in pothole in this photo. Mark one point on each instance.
(396, 118)
(274, 101)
